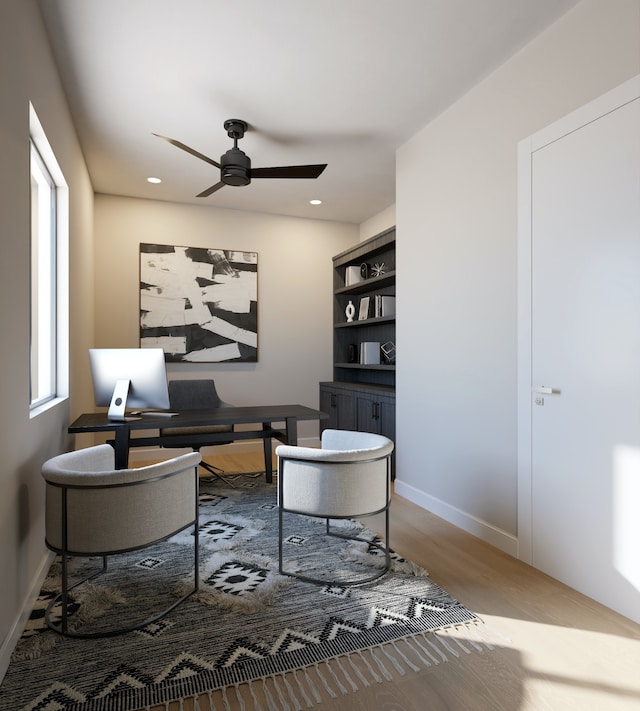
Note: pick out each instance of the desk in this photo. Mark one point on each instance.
(266, 415)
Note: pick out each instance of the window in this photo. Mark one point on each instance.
(43, 281)
(49, 275)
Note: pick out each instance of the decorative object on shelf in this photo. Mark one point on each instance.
(365, 270)
(389, 352)
(350, 311)
(199, 304)
(370, 353)
(352, 276)
(363, 313)
(352, 353)
(378, 270)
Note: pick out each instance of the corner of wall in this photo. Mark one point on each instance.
(378, 223)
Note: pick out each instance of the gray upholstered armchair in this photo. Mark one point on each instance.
(93, 509)
(349, 477)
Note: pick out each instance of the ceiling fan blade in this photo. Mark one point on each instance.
(186, 148)
(289, 171)
(211, 190)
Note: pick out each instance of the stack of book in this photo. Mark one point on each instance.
(384, 306)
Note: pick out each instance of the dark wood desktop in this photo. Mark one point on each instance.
(268, 416)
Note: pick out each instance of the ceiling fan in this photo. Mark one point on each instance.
(235, 165)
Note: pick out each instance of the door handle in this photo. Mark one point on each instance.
(542, 390)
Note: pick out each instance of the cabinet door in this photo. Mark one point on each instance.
(327, 404)
(387, 412)
(367, 411)
(377, 414)
(340, 406)
(346, 411)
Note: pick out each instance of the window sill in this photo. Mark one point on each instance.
(46, 406)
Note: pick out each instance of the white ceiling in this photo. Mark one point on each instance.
(342, 82)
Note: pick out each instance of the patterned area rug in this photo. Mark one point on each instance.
(246, 625)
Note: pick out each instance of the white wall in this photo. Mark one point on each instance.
(27, 74)
(378, 223)
(294, 291)
(456, 257)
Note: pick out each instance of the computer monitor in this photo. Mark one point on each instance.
(129, 377)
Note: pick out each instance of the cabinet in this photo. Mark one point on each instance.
(361, 407)
(362, 394)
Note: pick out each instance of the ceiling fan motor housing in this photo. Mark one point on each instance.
(235, 167)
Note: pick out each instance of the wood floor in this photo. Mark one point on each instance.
(554, 649)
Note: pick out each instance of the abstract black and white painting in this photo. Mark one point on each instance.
(199, 304)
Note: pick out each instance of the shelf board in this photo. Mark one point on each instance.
(365, 322)
(378, 244)
(369, 284)
(359, 366)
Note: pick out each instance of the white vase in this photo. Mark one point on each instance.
(350, 312)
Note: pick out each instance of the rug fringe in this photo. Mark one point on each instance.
(314, 689)
(384, 671)
(328, 689)
(256, 704)
(271, 705)
(284, 706)
(292, 696)
(297, 689)
(236, 688)
(371, 670)
(302, 691)
(397, 666)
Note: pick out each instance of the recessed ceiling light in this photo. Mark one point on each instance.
(154, 180)
(316, 202)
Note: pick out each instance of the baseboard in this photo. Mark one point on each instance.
(18, 626)
(506, 542)
(142, 454)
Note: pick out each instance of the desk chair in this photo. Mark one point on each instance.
(198, 395)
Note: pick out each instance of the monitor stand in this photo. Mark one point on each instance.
(119, 401)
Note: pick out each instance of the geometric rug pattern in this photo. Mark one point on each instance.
(246, 625)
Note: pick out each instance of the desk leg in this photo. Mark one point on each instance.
(292, 431)
(122, 447)
(268, 454)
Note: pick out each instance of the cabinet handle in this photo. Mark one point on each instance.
(333, 399)
(376, 411)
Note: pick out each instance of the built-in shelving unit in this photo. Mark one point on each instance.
(362, 393)
(349, 335)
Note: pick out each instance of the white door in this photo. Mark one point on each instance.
(584, 377)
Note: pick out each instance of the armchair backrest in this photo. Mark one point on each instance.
(348, 476)
(108, 510)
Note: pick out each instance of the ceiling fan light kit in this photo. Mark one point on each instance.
(236, 167)
(235, 164)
